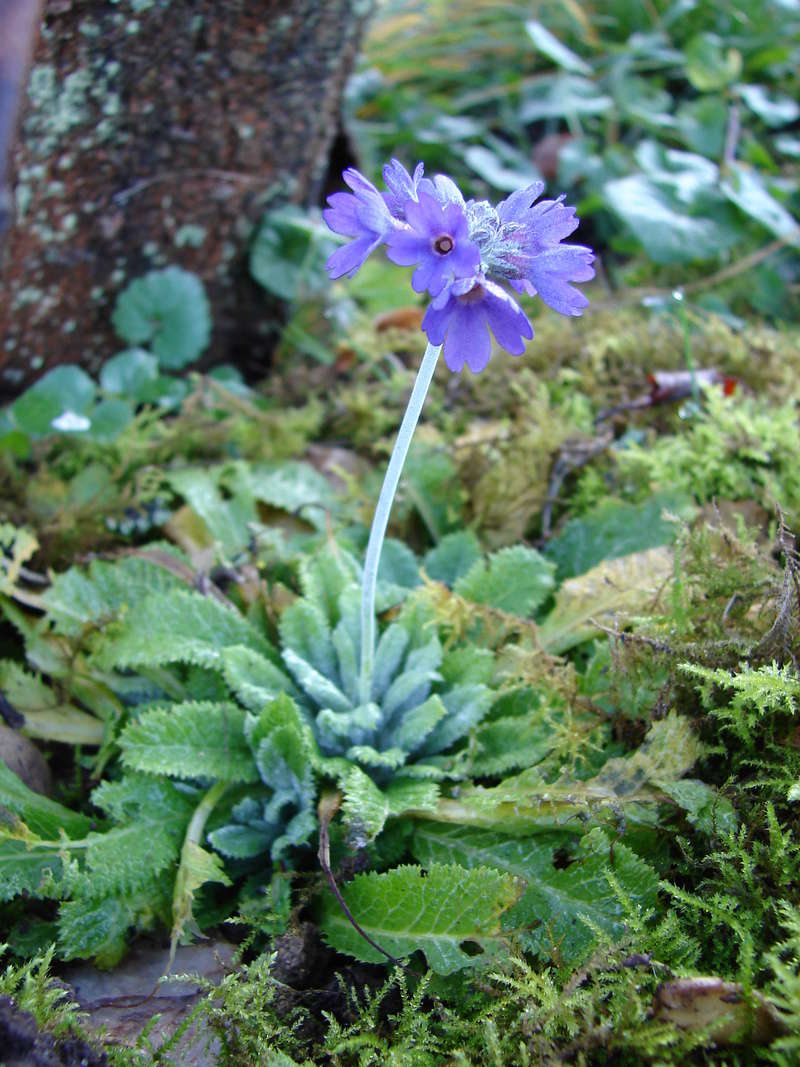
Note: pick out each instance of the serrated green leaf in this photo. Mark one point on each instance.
(325, 575)
(240, 842)
(556, 912)
(364, 806)
(516, 580)
(305, 633)
(168, 310)
(416, 724)
(430, 478)
(178, 627)
(466, 705)
(103, 591)
(16, 548)
(413, 684)
(438, 912)
(144, 798)
(335, 729)
(254, 679)
(123, 859)
(406, 795)
(316, 686)
(99, 928)
(453, 557)
(195, 740)
(510, 742)
(388, 657)
(27, 868)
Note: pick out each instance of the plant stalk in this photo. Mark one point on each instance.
(380, 520)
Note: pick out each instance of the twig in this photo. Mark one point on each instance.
(326, 809)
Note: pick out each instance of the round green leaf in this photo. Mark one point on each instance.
(168, 310)
(128, 373)
(62, 392)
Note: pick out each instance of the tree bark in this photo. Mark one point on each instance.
(156, 132)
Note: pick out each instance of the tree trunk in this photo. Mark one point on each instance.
(156, 132)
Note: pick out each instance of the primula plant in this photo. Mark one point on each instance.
(464, 251)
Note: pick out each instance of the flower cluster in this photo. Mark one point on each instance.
(464, 251)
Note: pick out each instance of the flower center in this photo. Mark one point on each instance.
(443, 244)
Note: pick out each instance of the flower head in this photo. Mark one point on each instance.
(464, 251)
(437, 237)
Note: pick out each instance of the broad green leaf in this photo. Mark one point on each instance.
(615, 528)
(404, 795)
(296, 487)
(612, 587)
(439, 912)
(453, 557)
(745, 188)
(629, 787)
(240, 842)
(709, 65)
(44, 817)
(178, 627)
(513, 741)
(430, 479)
(662, 223)
(196, 740)
(563, 96)
(288, 253)
(549, 45)
(223, 498)
(167, 310)
(775, 109)
(515, 580)
(397, 574)
(324, 576)
(47, 716)
(388, 657)
(109, 419)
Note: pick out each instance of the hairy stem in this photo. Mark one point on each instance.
(381, 519)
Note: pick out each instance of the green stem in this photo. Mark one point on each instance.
(381, 519)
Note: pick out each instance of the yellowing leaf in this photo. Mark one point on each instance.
(615, 586)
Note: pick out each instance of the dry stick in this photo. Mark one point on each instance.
(326, 809)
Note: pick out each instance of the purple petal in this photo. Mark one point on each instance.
(406, 247)
(348, 259)
(341, 215)
(507, 320)
(358, 183)
(468, 339)
(514, 207)
(436, 320)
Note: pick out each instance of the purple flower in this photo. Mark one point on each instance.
(437, 237)
(461, 316)
(362, 215)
